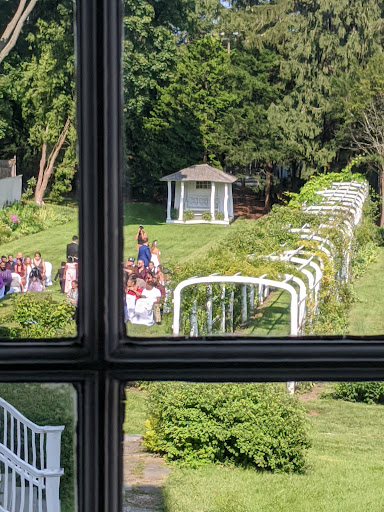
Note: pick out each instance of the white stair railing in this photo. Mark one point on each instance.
(29, 463)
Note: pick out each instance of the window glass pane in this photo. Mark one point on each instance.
(38, 165)
(37, 447)
(253, 447)
(251, 167)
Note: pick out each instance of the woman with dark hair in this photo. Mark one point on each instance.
(139, 237)
(38, 262)
(21, 269)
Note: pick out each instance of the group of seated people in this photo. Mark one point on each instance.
(144, 286)
(26, 274)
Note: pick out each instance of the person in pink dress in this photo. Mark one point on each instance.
(70, 274)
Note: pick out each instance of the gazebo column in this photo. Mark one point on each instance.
(213, 188)
(169, 202)
(226, 198)
(181, 206)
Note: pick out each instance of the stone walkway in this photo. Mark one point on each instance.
(144, 475)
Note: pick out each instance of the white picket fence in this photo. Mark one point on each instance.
(29, 463)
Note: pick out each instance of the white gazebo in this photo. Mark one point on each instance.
(201, 189)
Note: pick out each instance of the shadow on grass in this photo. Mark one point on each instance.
(146, 214)
(272, 319)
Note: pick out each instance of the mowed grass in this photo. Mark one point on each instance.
(135, 411)
(51, 243)
(273, 318)
(366, 316)
(177, 243)
(344, 473)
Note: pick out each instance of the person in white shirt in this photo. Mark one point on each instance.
(153, 295)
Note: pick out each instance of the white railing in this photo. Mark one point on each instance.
(29, 463)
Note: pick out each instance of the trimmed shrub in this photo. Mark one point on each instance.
(50, 404)
(41, 317)
(368, 392)
(188, 215)
(206, 216)
(257, 425)
(174, 213)
(219, 216)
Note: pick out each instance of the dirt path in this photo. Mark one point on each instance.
(144, 475)
(313, 393)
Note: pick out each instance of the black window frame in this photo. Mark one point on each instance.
(101, 358)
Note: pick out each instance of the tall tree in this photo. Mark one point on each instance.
(13, 29)
(361, 105)
(149, 56)
(317, 40)
(185, 120)
(43, 85)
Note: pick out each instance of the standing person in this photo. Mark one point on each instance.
(70, 274)
(6, 276)
(140, 235)
(155, 254)
(60, 275)
(38, 262)
(73, 249)
(144, 253)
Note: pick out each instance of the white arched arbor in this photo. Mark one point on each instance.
(294, 305)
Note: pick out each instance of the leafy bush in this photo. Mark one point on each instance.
(206, 216)
(219, 216)
(41, 317)
(258, 425)
(53, 404)
(188, 215)
(26, 218)
(174, 214)
(368, 392)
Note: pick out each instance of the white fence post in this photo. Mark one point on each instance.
(52, 483)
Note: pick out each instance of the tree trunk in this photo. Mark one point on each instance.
(46, 167)
(14, 27)
(268, 187)
(381, 189)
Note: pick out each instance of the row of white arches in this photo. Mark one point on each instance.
(341, 198)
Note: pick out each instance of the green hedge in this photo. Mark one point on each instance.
(368, 392)
(50, 404)
(257, 425)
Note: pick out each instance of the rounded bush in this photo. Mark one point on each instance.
(257, 425)
(368, 392)
(188, 215)
(206, 216)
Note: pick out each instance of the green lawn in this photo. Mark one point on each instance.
(51, 243)
(273, 318)
(135, 411)
(366, 316)
(177, 242)
(345, 467)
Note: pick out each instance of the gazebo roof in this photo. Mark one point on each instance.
(201, 172)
